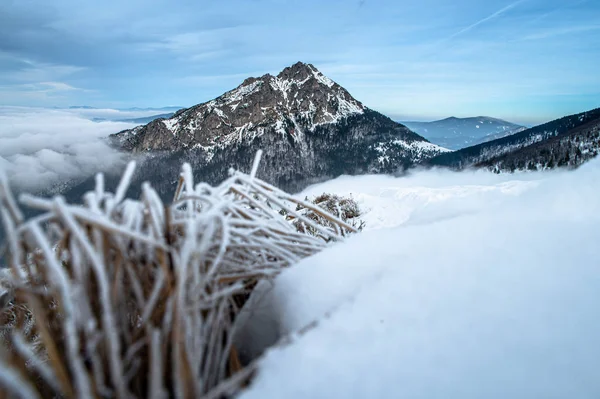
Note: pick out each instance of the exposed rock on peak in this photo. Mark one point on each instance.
(308, 126)
(299, 98)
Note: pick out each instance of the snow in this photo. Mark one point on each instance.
(283, 85)
(347, 108)
(171, 124)
(219, 112)
(419, 149)
(464, 285)
(422, 146)
(388, 201)
(322, 78)
(241, 92)
(279, 128)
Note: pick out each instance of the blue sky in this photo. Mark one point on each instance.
(527, 61)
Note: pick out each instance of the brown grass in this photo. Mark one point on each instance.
(123, 298)
(345, 208)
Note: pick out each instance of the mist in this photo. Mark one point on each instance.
(41, 148)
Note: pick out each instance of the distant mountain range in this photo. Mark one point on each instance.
(135, 115)
(309, 127)
(87, 107)
(565, 142)
(456, 133)
(141, 120)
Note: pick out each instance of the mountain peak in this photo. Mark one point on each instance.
(297, 70)
(298, 67)
(302, 72)
(307, 125)
(296, 104)
(298, 100)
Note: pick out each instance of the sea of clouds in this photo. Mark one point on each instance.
(40, 148)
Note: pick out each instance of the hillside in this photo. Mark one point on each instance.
(542, 146)
(456, 133)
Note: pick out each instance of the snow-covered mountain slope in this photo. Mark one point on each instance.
(486, 289)
(309, 127)
(568, 150)
(456, 133)
(543, 146)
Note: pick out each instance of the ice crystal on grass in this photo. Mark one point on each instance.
(132, 298)
(345, 208)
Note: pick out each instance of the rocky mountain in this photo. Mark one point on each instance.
(456, 133)
(567, 142)
(309, 128)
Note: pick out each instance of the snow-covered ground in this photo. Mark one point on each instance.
(464, 285)
(426, 196)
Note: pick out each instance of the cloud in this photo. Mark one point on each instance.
(40, 148)
(38, 72)
(42, 87)
(28, 82)
(39, 93)
(58, 86)
(552, 33)
(135, 53)
(486, 19)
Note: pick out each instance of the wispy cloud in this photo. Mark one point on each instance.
(53, 87)
(390, 54)
(42, 87)
(205, 40)
(39, 93)
(551, 33)
(41, 72)
(484, 20)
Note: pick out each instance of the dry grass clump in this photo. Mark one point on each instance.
(345, 208)
(131, 298)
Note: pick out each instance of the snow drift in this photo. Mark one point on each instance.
(468, 285)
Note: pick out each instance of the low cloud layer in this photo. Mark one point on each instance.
(40, 148)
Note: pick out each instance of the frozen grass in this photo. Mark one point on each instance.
(132, 298)
(344, 208)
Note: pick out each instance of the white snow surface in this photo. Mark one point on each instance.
(464, 285)
(420, 150)
(422, 147)
(424, 196)
(322, 78)
(171, 124)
